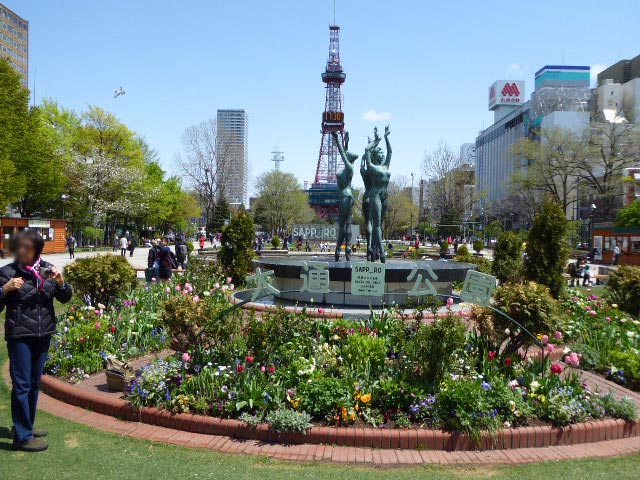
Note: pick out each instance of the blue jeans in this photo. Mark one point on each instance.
(26, 363)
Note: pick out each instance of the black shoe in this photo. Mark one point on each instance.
(31, 445)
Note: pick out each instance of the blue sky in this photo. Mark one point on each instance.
(426, 65)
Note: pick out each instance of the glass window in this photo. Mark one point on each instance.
(635, 244)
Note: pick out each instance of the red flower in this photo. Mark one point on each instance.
(113, 328)
(249, 359)
(491, 355)
(556, 368)
(272, 369)
(240, 368)
(508, 361)
(82, 339)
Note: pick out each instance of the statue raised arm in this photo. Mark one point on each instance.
(345, 195)
(387, 132)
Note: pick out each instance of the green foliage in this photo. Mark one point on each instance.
(237, 252)
(220, 216)
(478, 245)
(624, 288)
(493, 229)
(274, 333)
(463, 251)
(363, 351)
(530, 304)
(507, 257)
(275, 242)
(281, 201)
(102, 279)
(547, 249)
(286, 420)
(323, 395)
(629, 216)
(434, 346)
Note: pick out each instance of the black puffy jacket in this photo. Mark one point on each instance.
(30, 312)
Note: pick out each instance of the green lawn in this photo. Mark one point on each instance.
(81, 452)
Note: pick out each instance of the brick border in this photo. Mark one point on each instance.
(506, 439)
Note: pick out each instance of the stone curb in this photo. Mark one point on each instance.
(522, 437)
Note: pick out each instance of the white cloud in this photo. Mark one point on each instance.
(514, 67)
(374, 116)
(595, 70)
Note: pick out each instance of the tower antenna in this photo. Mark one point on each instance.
(334, 12)
(277, 158)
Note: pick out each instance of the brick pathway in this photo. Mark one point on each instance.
(355, 455)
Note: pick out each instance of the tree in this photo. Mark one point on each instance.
(281, 201)
(629, 216)
(205, 163)
(237, 253)
(507, 257)
(401, 210)
(613, 147)
(15, 123)
(445, 191)
(548, 249)
(554, 165)
(493, 229)
(221, 215)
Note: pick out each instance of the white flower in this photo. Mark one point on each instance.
(506, 424)
(507, 331)
(534, 386)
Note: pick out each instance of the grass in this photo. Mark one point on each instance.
(80, 452)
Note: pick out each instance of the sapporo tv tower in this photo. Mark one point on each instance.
(323, 194)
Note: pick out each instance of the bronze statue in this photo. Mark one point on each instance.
(378, 175)
(345, 195)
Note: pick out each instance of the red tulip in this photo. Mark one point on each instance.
(249, 359)
(491, 355)
(556, 368)
(272, 369)
(508, 361)
(240, 368)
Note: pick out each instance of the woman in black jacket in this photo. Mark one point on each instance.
(28, 287)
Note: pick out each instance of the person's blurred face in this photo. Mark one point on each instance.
(25, 252)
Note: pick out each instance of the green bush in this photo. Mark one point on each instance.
(463, 251)
(237, 253)
(190, 247)
(530, 304)
(102, 279)
(434, 346)
(275, 242)
(548, 248)
(507, 257)
(478, 245)
(624, 288)
(285, 420)
(323, 395)
(363, 350)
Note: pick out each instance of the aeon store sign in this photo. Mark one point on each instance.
(506, 92)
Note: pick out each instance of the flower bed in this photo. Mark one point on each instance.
(607, 339)
(290, 372)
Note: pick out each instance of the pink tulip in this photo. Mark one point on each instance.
(321, 310)
(168, 290)
(153, 280)
(229, 279)
(550, 347)
(186, 357)
(558, 336)
(545, 339)
(178, 288)
(593, 313)
(97, 325)
(608, 319)
(196, 298)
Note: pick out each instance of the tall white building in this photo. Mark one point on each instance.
(233, 149)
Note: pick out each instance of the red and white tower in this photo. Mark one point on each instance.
(323, 195)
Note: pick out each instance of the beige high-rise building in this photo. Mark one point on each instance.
(14, 42)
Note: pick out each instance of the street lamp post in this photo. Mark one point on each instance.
(64, 198)
(412, 205)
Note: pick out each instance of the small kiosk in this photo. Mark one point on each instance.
(54, 232)
(605, 237)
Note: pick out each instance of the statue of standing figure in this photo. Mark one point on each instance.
(375, 175)
(345, 195)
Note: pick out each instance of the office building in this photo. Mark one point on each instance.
(561, 98)
(617, 96)
(233, 153)
(14, 42)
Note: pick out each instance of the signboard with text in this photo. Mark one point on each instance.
(506, 92)
(321, 232)
(367, 278)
